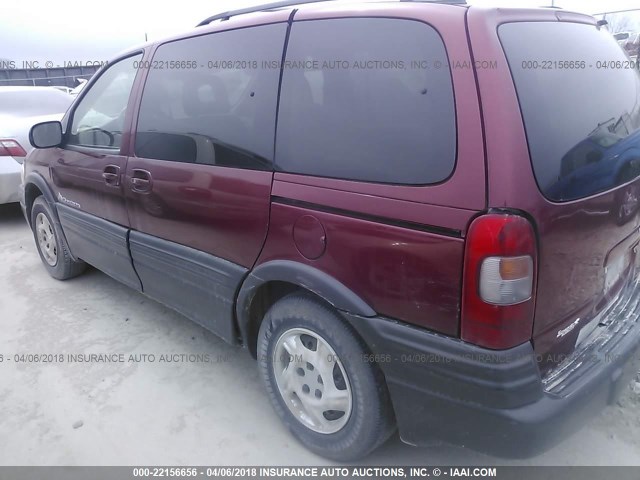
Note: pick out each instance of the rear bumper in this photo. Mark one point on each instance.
(489, 401)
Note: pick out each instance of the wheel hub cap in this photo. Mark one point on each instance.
(630, 202)
(46, 239)
(312, 381)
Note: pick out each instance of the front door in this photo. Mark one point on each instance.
(199, 184)
(88, 173)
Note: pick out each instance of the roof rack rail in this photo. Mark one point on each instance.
(257, 8)
(290, 3)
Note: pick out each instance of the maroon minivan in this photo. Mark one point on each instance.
(415, 215)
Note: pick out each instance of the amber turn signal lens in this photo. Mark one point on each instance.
(515, 268)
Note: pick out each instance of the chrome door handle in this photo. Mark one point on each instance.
(111, 175)
(141, 181)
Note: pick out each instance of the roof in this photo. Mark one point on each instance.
(296, 3)
(281, 11)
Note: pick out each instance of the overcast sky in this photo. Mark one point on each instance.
(83, 30)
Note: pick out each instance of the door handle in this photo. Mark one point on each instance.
(111, 175)
(141, 180)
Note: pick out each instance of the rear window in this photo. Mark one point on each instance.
(580, 100)
(367, 99)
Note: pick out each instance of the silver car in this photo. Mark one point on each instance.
(20, 109)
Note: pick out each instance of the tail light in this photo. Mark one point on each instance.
(11, 148)
(498, 295)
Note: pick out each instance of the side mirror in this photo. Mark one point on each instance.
(46, 134)
(621, 36)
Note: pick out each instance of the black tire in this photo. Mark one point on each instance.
(64, 267)
(371, 421)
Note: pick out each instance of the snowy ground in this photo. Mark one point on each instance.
(185, 412)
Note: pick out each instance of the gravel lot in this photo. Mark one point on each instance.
(192, 413)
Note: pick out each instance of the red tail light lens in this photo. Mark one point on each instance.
(11, 148)
(498, 296)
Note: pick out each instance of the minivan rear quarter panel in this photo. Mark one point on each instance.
(408, 240)
(403, 273)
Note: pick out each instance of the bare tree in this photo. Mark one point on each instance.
(623, 21)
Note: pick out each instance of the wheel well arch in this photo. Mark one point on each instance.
(31, 192)
(36, 186)
(273, 280)
(266, 295)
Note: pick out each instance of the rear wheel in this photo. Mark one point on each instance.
(627, 200)
(628, 204)
(52, 248)
(313, 366)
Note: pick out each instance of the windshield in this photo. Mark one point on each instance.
(606, 139)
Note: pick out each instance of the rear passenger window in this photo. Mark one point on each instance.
(367, 99)
(207, 100)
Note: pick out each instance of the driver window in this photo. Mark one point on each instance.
(99, 118)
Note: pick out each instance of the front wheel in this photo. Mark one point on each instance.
(51, 245)
(315, 371)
